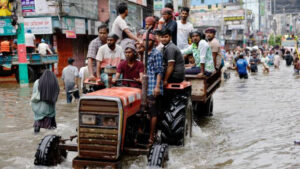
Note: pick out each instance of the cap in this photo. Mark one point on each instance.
(210, 29)
(130, 45)
(43, 41)
(70, 60)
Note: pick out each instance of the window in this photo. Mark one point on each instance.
(240, 31)
(217, 5)
(228, 32)
(209, 6)
(202, 1)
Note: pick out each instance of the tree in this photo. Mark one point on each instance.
(274, 40)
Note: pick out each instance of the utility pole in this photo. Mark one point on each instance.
(22, 55)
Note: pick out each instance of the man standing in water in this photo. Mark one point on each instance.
(70, 78)
(241, 67)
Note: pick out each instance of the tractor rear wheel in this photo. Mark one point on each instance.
(31, 75)
(204, 109)
(173, 126)
(48, 152)
(158, 155)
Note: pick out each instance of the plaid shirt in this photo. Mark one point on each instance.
(154, 67)
(93, 48)
(92, 52)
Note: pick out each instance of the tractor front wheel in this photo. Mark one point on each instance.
(158, 155)
(48, 152)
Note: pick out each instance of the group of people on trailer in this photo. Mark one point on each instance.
(170, 57)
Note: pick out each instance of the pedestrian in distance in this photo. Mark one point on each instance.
(93, 49)
(70, 80)
(242, 66)
(265, 60)
(288, 58)
(30, 41)
(254, 62)
(83, 75)
(296, 66)
(43, 47)
(43, 100)
(276, 60)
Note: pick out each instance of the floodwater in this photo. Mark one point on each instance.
(254, 125)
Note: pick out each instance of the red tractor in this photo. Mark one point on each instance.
(109, 120)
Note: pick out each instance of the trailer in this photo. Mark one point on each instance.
(203, 89)
(36, 64)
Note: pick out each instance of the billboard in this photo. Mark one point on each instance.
(285, 6)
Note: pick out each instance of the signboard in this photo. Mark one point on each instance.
(6, 28)
(231, 27)
(68, 24)
(93, 27)
(158, 5)
(140, 2)
(234, 18)
(80, 26)
(70, 34)
(28, 6)
(42, 25)
(45, 7)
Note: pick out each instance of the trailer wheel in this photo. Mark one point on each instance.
(174, 122)
(204, 109)
(31, 75)
(48, 152)
(158, 155)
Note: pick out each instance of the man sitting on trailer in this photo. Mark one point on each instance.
(204, 64)
(131, 68)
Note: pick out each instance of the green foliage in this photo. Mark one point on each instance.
(274, 40)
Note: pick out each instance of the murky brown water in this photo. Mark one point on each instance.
(254, 125)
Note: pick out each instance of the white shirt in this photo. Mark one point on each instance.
(83, 74)
(203, 46)
(109, 57)
(29, 39)
(183, 31)
(69, 73)
(118, 27)
(43, 47)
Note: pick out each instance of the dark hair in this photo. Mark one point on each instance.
(112, 35)
(156, 18)
(276, 53)
(48, 87)
(103, 26)
(122, 7)
(169, 5)
(186, 9)
(165, 31)
(241, 56)
(288, 52)
(202, 35)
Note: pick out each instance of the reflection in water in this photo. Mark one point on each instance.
(254, 125)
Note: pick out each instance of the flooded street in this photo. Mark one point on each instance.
(254, 125)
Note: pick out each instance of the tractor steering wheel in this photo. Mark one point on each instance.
(119, 82)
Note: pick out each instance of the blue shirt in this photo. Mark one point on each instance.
(154, 67)
(242, 66)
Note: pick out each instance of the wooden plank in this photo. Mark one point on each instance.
(98, 103)
(99, 136)
(99, 109)
(102, 131)
(98, 141)
(98, 154)
(97, 147)
(213, 85)
(79, 163)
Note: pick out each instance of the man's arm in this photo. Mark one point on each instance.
(131, 35)
(215, 54)
(98, 69)
(116, 78)
(169, 71)
(157, 86)
(90, 67)
(49, 50)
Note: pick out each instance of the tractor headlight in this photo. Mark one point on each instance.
(88, 119)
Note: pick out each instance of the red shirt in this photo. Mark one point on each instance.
(131, 72)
